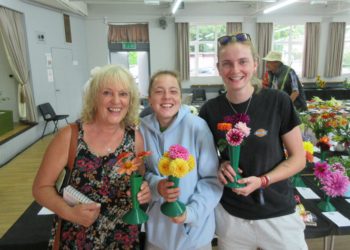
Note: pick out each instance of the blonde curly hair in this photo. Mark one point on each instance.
(117, 75)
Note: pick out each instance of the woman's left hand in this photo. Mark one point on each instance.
(144, 196)
(252, 183)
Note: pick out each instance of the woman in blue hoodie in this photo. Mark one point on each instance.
(172, 123)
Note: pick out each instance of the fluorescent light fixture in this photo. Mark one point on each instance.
(175, 6)
(279, 5)
(151, 2)
(318, 2)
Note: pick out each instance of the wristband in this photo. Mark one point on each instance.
(265, 181)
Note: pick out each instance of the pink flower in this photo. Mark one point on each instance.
(338, 167)
(234, 137)
(321, 170)
(243, 127)
(335, 184)
(178, 151)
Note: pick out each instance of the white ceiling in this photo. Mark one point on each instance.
(332, 7)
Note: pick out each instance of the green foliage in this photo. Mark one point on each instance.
(222, 144)
(344, 161)
(132, 57)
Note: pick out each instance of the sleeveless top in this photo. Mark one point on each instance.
(97, 178)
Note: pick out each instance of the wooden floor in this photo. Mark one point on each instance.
(16, 179)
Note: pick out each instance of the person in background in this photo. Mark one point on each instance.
(261, 214)
(172, 123)
(106, 130)
(283, 77)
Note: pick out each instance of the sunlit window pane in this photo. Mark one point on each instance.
(346, 55)
(289, 40)
(203, 48)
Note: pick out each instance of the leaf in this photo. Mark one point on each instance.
(222, 144)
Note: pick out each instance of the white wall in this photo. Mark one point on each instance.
(50, 23)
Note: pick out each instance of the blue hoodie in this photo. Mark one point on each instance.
(200, 189)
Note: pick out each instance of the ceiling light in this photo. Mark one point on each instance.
(151, 2)
(318, 2)
(279, 5)
(176, 6)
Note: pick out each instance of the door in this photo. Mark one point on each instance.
(67, 89)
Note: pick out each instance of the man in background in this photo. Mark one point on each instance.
(283, 77)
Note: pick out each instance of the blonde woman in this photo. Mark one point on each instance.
(106, 129)
(261, 214)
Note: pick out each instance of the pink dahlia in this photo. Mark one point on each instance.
(234, 137)
(178, 151)
(336, 184)
(338, 167)
(236, 118)
(243, 127)
(322, 170)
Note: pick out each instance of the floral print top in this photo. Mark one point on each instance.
(97, 178)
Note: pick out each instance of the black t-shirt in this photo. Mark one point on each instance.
(271, 115)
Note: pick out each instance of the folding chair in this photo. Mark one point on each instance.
(49, 115)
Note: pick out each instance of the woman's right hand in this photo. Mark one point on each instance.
(226, 172)
(85, 214)
(168, 193)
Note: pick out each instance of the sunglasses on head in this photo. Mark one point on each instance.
(241, 37)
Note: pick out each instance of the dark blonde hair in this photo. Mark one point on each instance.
(163, 72)
(117, 75)
(255, 81)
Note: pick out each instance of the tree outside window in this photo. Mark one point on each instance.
(289, 40)
(203, 48)
(346, 55)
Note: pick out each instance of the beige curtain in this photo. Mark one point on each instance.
(137, 33)
(232, 28)
(311, 49)
(334, 54)
(264, 43)
(13, 35)
(183, 50)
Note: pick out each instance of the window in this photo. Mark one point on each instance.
(289, 39)
(346, 55)
(203, 49)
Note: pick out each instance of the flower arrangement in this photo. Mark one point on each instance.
(342, 134)
(309, 151)
(127, 165)
(236, 130)
(333, 181)
(176, 162)
(319, 82)
(309, 155)
(332, 178)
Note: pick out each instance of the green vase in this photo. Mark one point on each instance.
(136, 215)
(176, 208)
(326, 205)
(297, 181)
(234, 153)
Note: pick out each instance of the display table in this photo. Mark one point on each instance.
(325, 227)
(327, 93)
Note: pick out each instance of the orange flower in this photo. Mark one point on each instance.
(324, 140)
(224, 126)
(127, 167)
(144, 154)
